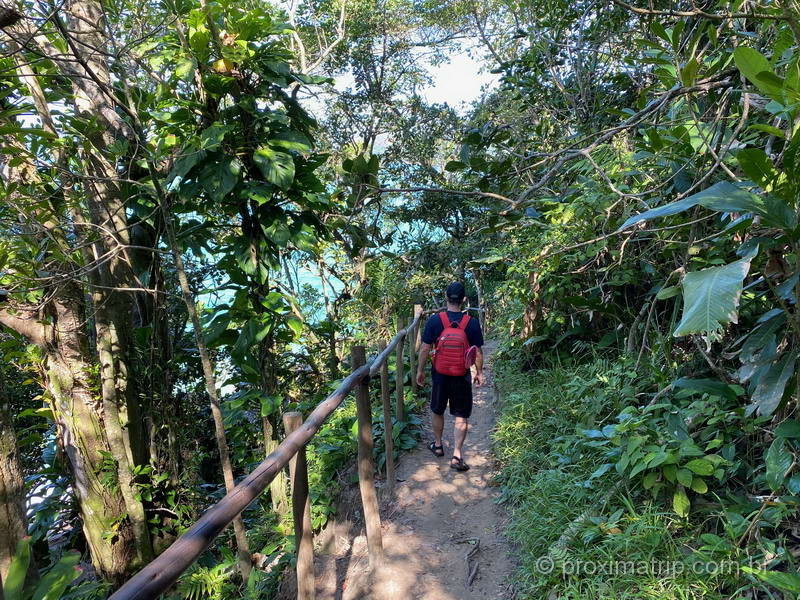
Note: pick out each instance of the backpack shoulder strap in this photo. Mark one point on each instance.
(464, 320)
(445, 320)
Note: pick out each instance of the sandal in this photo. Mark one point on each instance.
(459, 464)
(437, 450)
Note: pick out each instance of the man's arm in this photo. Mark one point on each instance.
(424, 352)
(479, 379)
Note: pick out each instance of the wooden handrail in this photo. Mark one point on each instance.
(375, 364)
(155, 578)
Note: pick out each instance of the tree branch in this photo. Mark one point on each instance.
(434, 190)
(28, 326)
(697, 13)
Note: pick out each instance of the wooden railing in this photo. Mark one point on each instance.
(159, 575)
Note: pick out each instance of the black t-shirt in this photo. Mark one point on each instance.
(434, 328)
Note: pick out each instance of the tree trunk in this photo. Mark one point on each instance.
(481, 315)
(13, 522)
(245, 559)
(89, 431)
(89, 434)
(278, 488)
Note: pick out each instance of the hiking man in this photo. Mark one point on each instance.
(457, 339)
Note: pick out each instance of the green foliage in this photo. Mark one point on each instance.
(626, 160)
(630, 545)
(52, 583)
(207, 583)
(654, 448)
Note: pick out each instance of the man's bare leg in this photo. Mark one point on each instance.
(460, 428)
(437, 421)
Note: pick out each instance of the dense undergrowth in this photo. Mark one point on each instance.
(589, 526)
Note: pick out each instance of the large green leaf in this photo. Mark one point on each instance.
(680, 501)
(778, 213)
(296, 325)
(722, 196)
(752, 64)
(758, 166)
(700, 466)
(789, 582)
(213, 136)
(707, 386)
(788, 429)
(711, 297)
(684, 477)
(291, 140)
(58, 577)
(769, 391)
(277, 167)
(15, 578)
(760, 335)
(183, 165)
(662, 211)
(778, 460)
(726, 197)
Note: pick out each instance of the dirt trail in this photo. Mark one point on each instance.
(427, 525)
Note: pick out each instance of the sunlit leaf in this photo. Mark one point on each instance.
(711, 297)
(680, 501)
(757, 166)
(789, 582)
(277, 167)
(53, 584)
(751, 63)
(291, 140)
(700, 466)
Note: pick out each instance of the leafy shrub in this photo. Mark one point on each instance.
(51, 584)
(207, 583)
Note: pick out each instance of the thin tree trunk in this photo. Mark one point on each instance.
(481, 315)
(278, 488)
(245, 560)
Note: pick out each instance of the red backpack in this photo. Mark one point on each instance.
(450, 355)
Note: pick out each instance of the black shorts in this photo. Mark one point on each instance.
(456, 390)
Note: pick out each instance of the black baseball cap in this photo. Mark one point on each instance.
(455, 292)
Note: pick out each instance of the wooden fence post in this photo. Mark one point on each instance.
(388, 439)
(301, 510)
(366, 468)
(413, 347)
(398, 375)
(412, 360)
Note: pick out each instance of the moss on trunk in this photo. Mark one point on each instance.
(13, 523)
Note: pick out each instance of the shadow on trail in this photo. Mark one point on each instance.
(430, 526)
